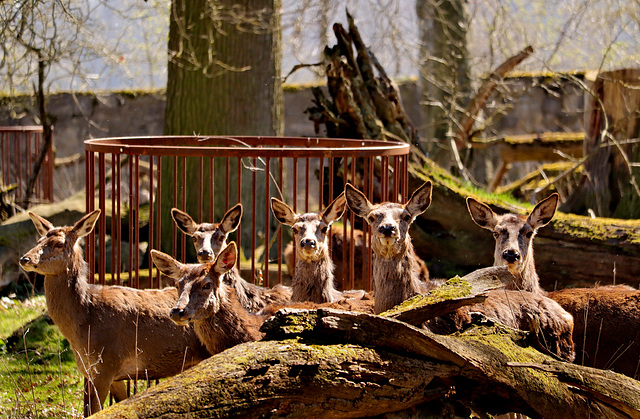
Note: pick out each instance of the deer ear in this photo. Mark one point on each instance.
(226, 259)
(184, 221)
(283, 212)
(335, 209)
(543, 212)
(42, 226)
(482, 214)
(231, 219)
(85, 225)
(166, 264)
(357, 201)
(420, 199)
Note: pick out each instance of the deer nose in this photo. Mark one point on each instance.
(387, 230)
(24, 260)
(176, 314)
(205, 254)
(308, 243)
(511, 255)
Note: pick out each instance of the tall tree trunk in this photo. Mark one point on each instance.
(444, 71)
(611, 185)
(223, 79)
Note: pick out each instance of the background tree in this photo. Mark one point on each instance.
(223, 79)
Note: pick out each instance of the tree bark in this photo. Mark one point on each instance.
(611, 185)
(223, 79)
(333, 363)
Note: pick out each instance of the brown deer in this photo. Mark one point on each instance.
(219, 319)
(396, 270)
(514, 238)
(313, 275)
(210, 238)
(116, 333)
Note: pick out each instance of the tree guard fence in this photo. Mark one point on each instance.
(19, 149)
(136, 181)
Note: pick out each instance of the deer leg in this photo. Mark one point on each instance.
(118, 390)
(96, 390)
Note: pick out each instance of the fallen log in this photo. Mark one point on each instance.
(333, 363)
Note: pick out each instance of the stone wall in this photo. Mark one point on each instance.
(543, 104)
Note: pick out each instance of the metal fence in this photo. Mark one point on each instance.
(136, 181)
(19, 149)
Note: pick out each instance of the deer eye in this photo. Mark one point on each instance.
(371, 219)
(58, 245)
(496, 234)
(407, 218)
(324, 230)
(295, 230)
(207, 286)
(221, 239)
(529, 234)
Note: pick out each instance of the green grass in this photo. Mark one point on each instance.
(42, 382)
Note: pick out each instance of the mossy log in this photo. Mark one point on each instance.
(332, 363)
(571, 251)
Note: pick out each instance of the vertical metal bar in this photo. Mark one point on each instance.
(384, 179)
(159, 212)
(183, 177)
(152, 220)
(226, 195)
(174, 236)
(321, 185)
(352, 259)
(367, 228)
(133, 248)
(90, 203)
(265, 273)
(295, 209)
(131, 221)
(200, 188)
(253, 223)
(103, 219)
(239, 198)
(279, 227)
(115, 239)
(345, 251)
(211, 188)
(306, 185)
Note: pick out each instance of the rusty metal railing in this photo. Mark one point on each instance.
(137, 180)
(19, 149)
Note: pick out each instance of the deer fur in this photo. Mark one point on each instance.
(210, 238)
(219, 319)
(607, 326)
(395, 264)
(116, 333)
(514, 236)
(313, 275)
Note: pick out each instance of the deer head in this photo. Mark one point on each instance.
(200, 290)
(309, 230)
(513, 233)
(208, 238)
(55, 251)
(389, 221)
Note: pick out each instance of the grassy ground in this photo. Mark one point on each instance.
(41, 382)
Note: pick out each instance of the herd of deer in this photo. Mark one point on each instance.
(120, 333)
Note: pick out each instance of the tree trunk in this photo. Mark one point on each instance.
(444, 72)
(223, 79)
(332, 363)
(610, 186)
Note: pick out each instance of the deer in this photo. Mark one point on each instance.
(116, 333)
(395, 276)
(210, 238)
(396, 270)
(514, 236)
(313, 278)
(598, 313)
(206, 300)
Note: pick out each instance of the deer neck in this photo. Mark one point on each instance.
(68, 299)
(526, 278)
(313, 281)
(396, 278)
(230, 325)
